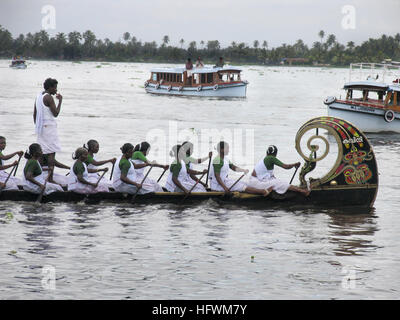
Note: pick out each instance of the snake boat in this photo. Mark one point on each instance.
(352, 180)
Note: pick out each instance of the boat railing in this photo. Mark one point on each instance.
(378, 72)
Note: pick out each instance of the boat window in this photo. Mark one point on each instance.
(209, 78)
(357, 95)
(365, 95)
(391, 99)
(202, 78)
(154, 77)
(349, 94)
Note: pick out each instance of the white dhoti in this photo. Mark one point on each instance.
(48, 139)
(50, 187)
(12, 183)
(104, 181)
(80, 187)
(239, 186)
(188, 184)
(277, 185)
(58, 178)
(125, 188)
(149, 185)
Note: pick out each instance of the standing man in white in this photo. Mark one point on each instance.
(44, 116)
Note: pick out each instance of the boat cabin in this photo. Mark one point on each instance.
(195, 77)
(393, 98)
(373, 94)
(373, 85)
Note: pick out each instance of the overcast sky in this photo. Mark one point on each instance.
(277, 21)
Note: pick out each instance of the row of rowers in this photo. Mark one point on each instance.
(129, 176)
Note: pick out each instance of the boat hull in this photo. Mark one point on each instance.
(237, 90)
(320, 197)
(367, 119)
(21, 66)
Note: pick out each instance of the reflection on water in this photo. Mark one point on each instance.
(205, 251)
(353, 234)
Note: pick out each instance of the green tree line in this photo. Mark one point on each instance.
(85, 46)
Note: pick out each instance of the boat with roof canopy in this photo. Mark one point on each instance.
(372, 100)
(198, 82)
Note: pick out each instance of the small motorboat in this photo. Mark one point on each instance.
(372, 100)
(18, 63)
(198, 82)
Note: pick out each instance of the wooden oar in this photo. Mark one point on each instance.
(293, 176)
(15, 172)
(134, 196)
(161, 175)
(97, 183)
(236, 181)
(192, 188)
(5, 182)
(39, 198)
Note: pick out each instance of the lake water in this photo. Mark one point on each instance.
(192, 252)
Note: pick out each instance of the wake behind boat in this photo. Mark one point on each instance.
(372, 99)
(198, 82)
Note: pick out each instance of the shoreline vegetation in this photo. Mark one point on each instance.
(76, 46)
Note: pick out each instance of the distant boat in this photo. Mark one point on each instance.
(18, 63)
(197, 82)
(372, 101)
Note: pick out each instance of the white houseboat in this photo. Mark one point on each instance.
(198, 82)
(372, 99)
(18, 63)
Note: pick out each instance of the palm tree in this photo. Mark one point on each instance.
(256, 44)
(265, 45)
(181, 42)
(321, 34)
(331, 40)
(127, 36)
(350, 45)
(202, 44)
(165, 40)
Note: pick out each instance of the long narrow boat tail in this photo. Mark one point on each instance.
(355, 170)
